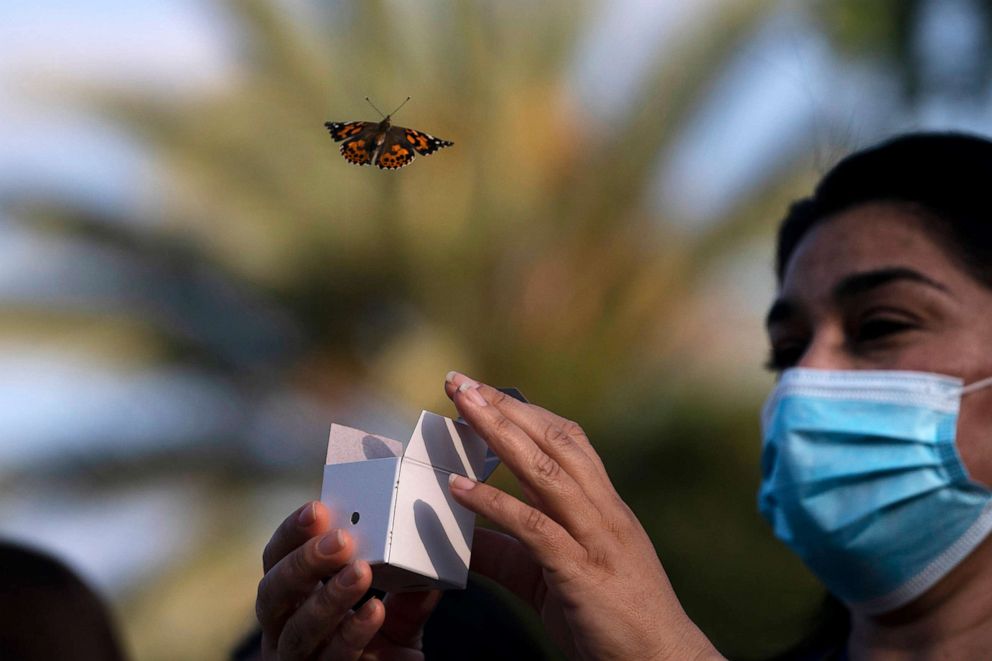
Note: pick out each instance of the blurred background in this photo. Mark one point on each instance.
(194, 283)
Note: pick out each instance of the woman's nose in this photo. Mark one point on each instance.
(827, 351)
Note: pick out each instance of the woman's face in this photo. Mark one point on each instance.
(870, 289)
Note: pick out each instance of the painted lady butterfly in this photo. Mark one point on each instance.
(389, 147)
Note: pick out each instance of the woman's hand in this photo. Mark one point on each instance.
(304, 617)
(578, 556)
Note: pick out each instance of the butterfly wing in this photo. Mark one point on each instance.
(357, 136)
(424, 143)
(343, 130)
(357, 151)
(395, 151)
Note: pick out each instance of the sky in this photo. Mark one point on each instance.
(45, 45)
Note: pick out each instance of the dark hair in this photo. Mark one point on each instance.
(47, 612)
(942, 177)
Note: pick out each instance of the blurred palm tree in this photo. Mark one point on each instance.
(528, 254)
(934, 48)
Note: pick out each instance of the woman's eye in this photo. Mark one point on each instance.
(874, 329)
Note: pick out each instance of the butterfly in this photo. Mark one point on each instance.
(389, 147)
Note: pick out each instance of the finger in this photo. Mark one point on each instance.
(296, 576)
(562, 439)
(549, 544)
(542, 423)
(510, 405)
(546, 483)
(355, 633)
(504, 559)
(565, 442)
(317, 618)
(309, 521)
(406, 614)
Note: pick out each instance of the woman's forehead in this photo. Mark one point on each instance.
(861, 240)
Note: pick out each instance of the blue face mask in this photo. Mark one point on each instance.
(861, 478)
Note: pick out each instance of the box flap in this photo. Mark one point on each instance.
(447, 445)
(345, 445)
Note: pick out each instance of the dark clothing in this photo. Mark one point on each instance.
(479, 623)
(476, 623)
(827, 636)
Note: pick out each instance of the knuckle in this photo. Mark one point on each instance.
(599, 558)
(301, 559)
(617, 528)
(555, 435)
(535, 521)
(546, 467)
(573, 429)
(494, 502)
(502, 426)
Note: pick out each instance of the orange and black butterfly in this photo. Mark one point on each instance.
(389, 147)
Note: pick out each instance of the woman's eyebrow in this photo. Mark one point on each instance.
(856, 283)
(859, 283)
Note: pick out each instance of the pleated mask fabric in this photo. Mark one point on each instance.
(862, 479)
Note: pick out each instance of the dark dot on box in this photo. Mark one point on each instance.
(354, 518)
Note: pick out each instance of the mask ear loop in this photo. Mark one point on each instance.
(976, 385)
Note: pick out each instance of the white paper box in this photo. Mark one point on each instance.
(394, 499)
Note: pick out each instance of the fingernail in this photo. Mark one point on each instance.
(471, 390)
(461, 379)
(307, 515)
(331, 543)
(456, 481)
(367, 609)
(351, 575)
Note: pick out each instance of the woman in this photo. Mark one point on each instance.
(875, 462)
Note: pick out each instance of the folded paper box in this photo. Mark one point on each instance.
(394, 500)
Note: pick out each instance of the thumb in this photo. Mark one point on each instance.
(504, 559)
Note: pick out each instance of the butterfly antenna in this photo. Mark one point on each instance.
(373, 106)
(398, 107)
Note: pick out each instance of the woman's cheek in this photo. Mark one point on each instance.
(974, 435)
